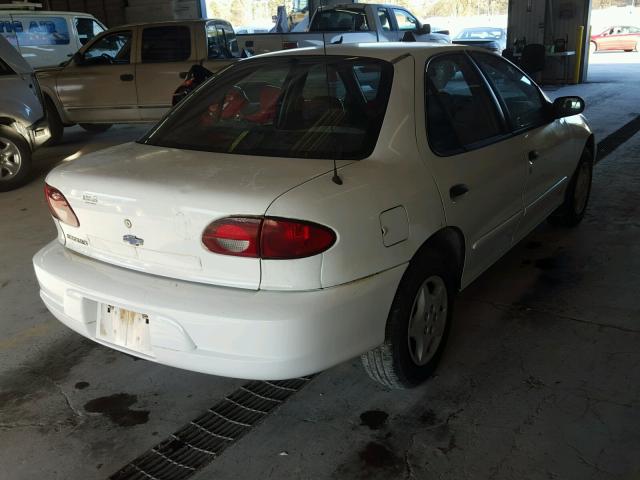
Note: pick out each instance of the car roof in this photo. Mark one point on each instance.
(384, 51)
(481, 29)
(46, 13)
(171, 22)
(362, 6)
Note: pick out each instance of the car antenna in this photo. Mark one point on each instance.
(336, 178)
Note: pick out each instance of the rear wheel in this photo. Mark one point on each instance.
(56, 128)
(15, 160)
(417, 327)
(96, 127)
(593, 47)
(572, 211)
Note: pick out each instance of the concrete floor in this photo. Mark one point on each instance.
(541, 379)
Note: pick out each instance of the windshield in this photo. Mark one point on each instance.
(304, 107)
(480, 34)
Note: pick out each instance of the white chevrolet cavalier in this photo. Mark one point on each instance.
(304, 207)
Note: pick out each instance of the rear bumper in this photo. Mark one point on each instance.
(217, 330)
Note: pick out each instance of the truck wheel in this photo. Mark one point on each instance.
(572, 211)
(15, 159)
(55, 122)
(96, 127)
(417, 327)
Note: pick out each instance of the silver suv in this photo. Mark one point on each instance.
(23, 125)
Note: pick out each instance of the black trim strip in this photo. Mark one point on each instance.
(610, 143)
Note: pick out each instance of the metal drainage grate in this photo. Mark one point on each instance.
(200, 441)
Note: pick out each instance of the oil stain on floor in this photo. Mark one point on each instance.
(116, 408)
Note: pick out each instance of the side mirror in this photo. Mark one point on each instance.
(567, 106)
(78, 58)
(424, 29)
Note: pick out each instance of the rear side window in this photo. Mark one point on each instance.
(461, 114)
(87, 28)
(522, 98)
(314, 107)
(166, 44)
(340, 20)
(40, 31)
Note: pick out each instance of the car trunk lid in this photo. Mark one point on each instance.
(145, 207)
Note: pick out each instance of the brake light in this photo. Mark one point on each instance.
(288, 45)
(234, 236)
(59, 207)
(267, 238)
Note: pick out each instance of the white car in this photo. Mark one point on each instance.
(47, 38)
(301, 209)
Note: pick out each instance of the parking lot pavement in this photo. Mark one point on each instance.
(540, 379)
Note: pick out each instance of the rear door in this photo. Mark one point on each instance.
(167, 52)
(101, 87)
(544, 144)
(477, 165)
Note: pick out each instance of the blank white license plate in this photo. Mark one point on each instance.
(125, 328)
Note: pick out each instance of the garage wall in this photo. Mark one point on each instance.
(543, 21)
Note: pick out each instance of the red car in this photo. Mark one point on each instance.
(617, 38)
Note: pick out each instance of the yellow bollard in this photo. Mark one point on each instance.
(579, 46)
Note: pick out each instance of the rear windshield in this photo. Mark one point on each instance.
(302, 107)
(340, 20)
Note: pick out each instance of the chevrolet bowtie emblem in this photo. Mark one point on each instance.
(133, 240)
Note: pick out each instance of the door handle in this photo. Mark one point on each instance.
(458, 190)
(533, 155)
(183, 75)
(126, 77)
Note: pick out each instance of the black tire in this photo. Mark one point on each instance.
(393, 363)
(56, 127)
(576, 199)
(96, 127)
(13, 173)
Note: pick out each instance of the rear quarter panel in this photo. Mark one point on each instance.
(392, 176)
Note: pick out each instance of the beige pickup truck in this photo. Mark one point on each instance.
(128, 74)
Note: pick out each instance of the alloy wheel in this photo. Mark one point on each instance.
(428, 320)
(10, 159)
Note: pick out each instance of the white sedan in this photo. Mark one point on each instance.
(304, 208)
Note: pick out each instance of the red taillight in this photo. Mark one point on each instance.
(234, 236)
(267, 238)
(288, 45)
(286, 239)
(59, 206)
